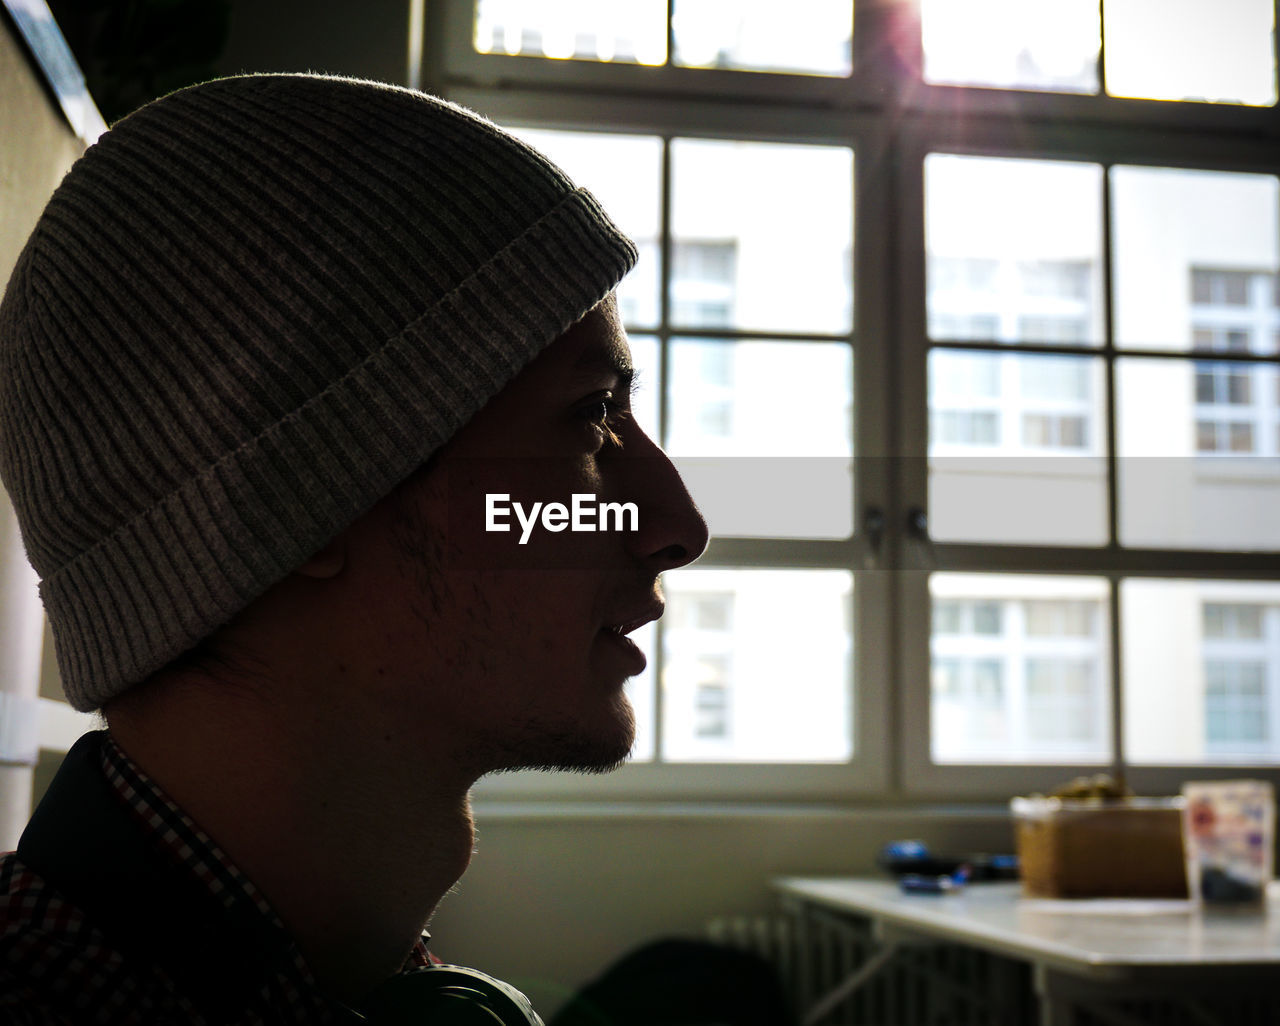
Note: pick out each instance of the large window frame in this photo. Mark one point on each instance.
(892, 119)
(1138, 145)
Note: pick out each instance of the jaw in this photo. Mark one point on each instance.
(594, 737)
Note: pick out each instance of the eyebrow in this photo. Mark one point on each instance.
(610, 361)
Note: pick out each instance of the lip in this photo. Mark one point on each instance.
(635, 659)
(616, 635)
(634, 622)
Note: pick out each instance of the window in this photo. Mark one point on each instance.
(1047, 301)
(1062, 701)
(1232, 312)
(712, 701)
(730, 692)
(703, 282)
(1019, 669)
(1236, 675)
(810, 36)
(960, 318)
(628, 33)
(697, 683)
(1220, 288)
(1236, 704)
(1216, 671)
(1232, 620)
(1152, 49)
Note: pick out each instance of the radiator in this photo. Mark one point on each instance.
(941, 984)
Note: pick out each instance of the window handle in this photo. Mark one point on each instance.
(918, 535)
(873, 529)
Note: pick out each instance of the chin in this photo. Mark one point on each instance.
(580, 760)
(572, 748)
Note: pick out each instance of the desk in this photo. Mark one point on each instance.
(1085, 955)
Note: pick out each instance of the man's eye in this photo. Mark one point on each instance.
(606, 414)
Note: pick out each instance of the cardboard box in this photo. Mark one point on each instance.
(1096, 848)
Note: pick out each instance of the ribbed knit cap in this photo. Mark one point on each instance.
(250, 310)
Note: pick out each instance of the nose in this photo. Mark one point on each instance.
(671, 531)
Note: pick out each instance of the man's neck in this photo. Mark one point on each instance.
(355, 868)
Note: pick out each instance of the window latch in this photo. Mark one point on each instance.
(873, 529)
(918, 535)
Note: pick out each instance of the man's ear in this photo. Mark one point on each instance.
(328, 562)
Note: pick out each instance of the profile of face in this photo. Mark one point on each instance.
(518, 648)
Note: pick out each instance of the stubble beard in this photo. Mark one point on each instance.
(531, 742)
(575, 748)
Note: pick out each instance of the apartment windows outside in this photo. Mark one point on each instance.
(754, 667)
(699, 639)
(1019, 669)
(993, 299)
(1236, 705)
(1241, 668)
(712, 713)
(1204, 658)
(1234, 311)
(630, 33)
(703, 278)
(983, 412)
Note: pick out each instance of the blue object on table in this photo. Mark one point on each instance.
(904, 850)
(945, 883)
(899, 858)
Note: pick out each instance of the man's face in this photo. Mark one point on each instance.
(518, 649)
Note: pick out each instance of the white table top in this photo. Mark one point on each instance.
(1102, 937)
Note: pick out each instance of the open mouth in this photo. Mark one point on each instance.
(634, 659)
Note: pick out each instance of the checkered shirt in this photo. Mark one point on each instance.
(57, 967)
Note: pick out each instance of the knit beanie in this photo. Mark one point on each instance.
(250, 310)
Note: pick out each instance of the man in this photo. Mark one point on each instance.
(272, 347)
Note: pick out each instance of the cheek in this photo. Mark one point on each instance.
(530, 618)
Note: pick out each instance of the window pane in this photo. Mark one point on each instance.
(1061, 697)
(633, 33)
(987, 617)
(957, 376)
(806, 36)
(1232, 619)
(1001, 429)
(753, 425)
(761, 236)
(1021, 675)
(1004, 265)
(1195, 261)
(731, 692)
(1050, 618)
(1201, 665)
(947, 616)
(1234, 286)
(1199, 447)
(1055, 379)
(624, 173)
(1191, 50)
(1012, 43)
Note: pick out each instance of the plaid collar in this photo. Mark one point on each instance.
(162, 925)
(175, 832)
(178, 834)
(172, 831)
